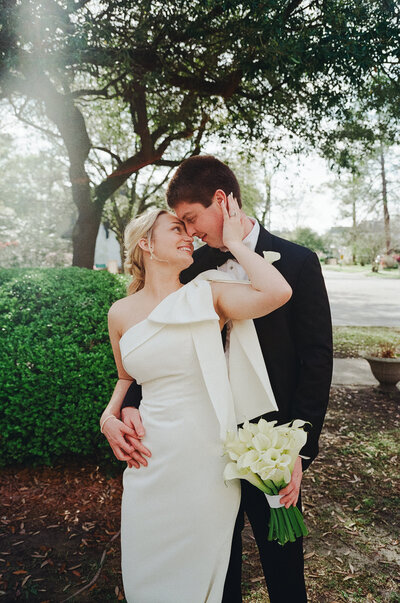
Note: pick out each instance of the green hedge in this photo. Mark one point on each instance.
(57, 370)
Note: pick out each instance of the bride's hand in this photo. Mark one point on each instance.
(233, 228)
(131, 417)
(131, 451)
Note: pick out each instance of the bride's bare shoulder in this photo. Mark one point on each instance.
(125, 304)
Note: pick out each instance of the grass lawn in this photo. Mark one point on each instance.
(367, 270)
(58, 523)
(352, 342)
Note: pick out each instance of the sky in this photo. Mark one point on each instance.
(300, 193)
(316, 206)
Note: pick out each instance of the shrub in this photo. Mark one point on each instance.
(56, 364)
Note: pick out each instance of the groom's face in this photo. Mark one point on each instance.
(203, 222)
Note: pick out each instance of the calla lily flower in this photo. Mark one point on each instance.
(264, 454)
(233, 472)
(247, 459)
(261, 442)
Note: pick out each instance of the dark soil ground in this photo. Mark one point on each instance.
(58, 523)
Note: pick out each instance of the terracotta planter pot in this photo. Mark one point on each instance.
(385, 370)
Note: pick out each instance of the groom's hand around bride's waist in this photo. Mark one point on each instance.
(132, 419)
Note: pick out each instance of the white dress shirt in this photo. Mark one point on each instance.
(235, 269)
(232, 266)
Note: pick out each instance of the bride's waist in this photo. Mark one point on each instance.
(168, 393)
(177, 412)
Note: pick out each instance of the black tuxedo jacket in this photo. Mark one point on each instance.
(296, 339)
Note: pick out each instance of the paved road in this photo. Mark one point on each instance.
(363, 301)
(352, 371)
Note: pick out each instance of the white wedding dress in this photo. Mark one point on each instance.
(178, 514)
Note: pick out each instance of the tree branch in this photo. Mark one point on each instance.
(138, 104)
(134, 164)
(113, 155)
(18, 115)
(259, 96)
(204, 120)
(225, 87)
(167, 163)
(157, 187)
(101, 92)
(290, 8)
(176, 35)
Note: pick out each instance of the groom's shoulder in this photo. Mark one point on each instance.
(287, 249)
(294, 249)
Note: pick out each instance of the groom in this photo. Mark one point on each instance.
(296, 342)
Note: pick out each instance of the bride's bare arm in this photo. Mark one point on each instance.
(122, 438)
(268, 290)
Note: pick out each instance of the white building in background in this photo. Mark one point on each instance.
(107, 253)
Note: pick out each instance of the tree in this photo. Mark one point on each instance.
(384, 196)
(35, 210)
(366, 192)
(132, 199)
(266, 67)
(357, 200)
(308, 238)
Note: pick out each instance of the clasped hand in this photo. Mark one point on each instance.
(125, 436)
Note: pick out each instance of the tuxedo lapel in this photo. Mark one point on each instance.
(264, 241)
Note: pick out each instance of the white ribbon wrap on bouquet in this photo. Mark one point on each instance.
(273, 501)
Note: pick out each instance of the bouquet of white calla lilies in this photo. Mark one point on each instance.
(264, 454)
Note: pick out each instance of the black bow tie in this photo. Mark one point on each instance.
(220, 257)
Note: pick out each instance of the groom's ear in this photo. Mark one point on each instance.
(219, 196)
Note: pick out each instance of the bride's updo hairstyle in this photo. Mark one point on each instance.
(138, 228)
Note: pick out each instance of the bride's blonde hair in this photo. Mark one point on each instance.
(138, 228)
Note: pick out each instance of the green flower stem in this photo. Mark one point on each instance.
(289, 529)
(272, 523)
(270, 484)
(294, 522)
(300, 521)
(281, 527)
(285, 524)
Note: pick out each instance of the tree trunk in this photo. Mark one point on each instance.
(266, 215)
(85, 230)
(61, 110)
(386, 216)
(71, 125)
(354, 231)
(86, 227)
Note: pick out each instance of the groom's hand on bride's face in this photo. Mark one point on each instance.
(290, 494)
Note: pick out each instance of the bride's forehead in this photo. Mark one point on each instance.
(167, 219)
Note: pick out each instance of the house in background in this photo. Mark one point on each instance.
(107, 252)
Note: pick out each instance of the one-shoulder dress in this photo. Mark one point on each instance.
(178, 514)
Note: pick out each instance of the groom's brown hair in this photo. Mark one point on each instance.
(198, 177)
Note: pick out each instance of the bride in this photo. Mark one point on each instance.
(177, 514)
